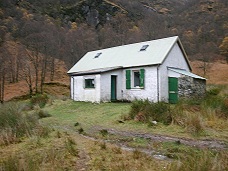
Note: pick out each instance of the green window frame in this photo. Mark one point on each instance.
(135, 78)
(142, 78)
(89, 83)
(128, 79)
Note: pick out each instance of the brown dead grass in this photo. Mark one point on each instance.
(217, 72)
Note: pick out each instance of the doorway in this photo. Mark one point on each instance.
(113, 87)
(173, 90)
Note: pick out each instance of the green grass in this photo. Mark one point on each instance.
(86, 114)
(106, 115)
(61, 145)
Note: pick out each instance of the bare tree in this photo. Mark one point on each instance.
(35, 61)
(2, 74)
(2, 80)
(27, 76)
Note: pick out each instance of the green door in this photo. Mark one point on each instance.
(113, 87)
(173, 90)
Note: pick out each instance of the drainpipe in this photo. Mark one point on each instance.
(73, 89)
(158, 93)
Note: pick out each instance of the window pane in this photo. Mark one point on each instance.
(89, 83)
(136, 79)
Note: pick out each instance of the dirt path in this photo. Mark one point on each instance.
(212, 144)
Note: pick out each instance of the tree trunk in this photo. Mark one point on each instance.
(36, 66)
(43, 73)
(2, 83)
(52, 68)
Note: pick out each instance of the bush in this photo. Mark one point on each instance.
(40, 99)
(144, 110)
(136, 107)
(40, 113)
(214, 91)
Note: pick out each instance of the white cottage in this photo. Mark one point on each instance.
(156, 70)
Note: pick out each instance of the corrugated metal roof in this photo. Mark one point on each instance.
(126, 55)
(184, 72)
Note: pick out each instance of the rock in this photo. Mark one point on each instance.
(76, 124)
(154, 122)
(120, 121)
(164, 11)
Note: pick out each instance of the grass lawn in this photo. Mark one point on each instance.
(107, 115)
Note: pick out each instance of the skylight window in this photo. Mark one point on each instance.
(97, 55)
(144, 47)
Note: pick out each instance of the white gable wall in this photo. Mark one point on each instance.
(80, 93)
(174, 59)
(150, 85)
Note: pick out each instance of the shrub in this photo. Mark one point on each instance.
(159, 112)
(40, 113)
(137, 106)
(144, 110)
(40, 99)
(214, 91)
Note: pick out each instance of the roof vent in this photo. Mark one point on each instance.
(144, 47)
(97, 55)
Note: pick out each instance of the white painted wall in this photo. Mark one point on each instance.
(106, 85)
(80, 93)
(102, 90)
(174, 59)
(150, 86)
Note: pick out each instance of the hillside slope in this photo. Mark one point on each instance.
(65, 30)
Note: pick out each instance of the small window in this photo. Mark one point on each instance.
(144, 47)
(136, 79)
(97, 55)
(89, 83)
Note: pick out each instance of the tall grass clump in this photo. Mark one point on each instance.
(217, 102)
(70, 145)
(14, 124)
(188, 116)
(203, 160)
(39, 99)
(194, 123)
(146, 111)
(40, 113)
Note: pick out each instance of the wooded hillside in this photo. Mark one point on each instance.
(34, 33)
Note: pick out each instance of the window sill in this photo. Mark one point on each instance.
(136, 88)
